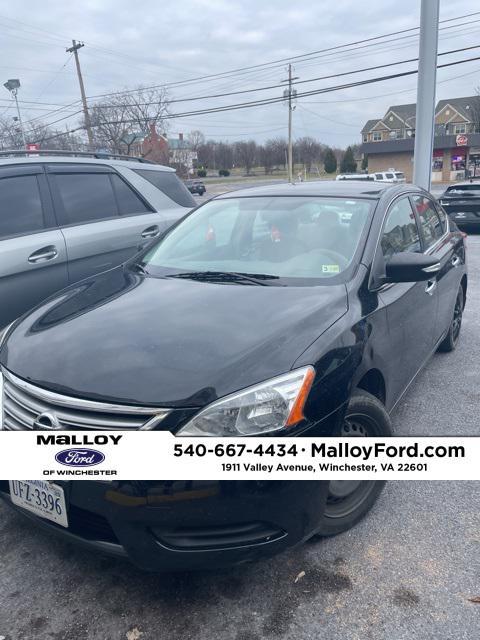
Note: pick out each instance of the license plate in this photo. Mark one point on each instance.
(44, 499)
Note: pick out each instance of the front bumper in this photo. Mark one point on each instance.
(184, 525)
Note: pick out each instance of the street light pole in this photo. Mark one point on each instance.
(14, 92)
(13, 85)
(427, 76)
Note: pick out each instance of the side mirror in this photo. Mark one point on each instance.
(411, 267)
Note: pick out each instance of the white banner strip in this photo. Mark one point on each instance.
(153, 455)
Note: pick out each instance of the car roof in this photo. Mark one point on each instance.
(464, 184)
(41, 159)
(336, 188)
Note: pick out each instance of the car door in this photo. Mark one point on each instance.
(32, 249)
(411, 307)
(447, 249)
(104, 221)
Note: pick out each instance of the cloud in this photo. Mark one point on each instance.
(153, 43)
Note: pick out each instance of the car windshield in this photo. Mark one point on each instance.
(265, 237)
(399, 175)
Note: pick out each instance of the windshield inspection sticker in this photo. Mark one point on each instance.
(330, 268)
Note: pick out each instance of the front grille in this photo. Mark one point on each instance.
(26, 406)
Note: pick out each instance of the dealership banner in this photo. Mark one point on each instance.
(153, 455)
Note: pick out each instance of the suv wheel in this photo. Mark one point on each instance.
(450, 341)
(349, 501)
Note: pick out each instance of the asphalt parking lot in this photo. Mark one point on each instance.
(409, 571)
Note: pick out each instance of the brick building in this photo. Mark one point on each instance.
(389, 141)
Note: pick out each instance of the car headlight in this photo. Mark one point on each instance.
(263, 408)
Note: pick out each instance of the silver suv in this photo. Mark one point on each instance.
(65, 218)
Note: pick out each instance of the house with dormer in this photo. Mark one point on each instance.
(389, 141)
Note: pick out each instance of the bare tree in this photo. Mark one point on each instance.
(109, 124)
(308, 150)
(196, 139)
(116, 120)
(246, 154)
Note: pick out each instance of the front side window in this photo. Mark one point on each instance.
(400, 232)
(269, 237)
(20, 206)
(430, 223)
(86, 197)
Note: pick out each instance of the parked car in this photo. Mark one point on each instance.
(264, 312)
(461, 201)
(65, 218)
(196, 186)
(389, 176)
(353, 176)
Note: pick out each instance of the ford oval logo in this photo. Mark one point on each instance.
(79, 457)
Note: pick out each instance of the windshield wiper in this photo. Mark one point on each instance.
(140, 268)
(225, 276)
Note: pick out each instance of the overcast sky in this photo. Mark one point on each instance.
(153, 42)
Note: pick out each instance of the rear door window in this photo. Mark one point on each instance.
(169, 184)
(86, 197)
(21, 210)
(129, 203)
(430, 222)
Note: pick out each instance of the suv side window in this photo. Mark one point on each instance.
(128, 201)
(86, 197)
(379, 176)
(21, 209)
(430, 223)
(169, 183)
(400, 232)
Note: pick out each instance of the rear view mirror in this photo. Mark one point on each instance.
(411, 267)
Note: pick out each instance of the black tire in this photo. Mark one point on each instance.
(449, 343)
(349, 501)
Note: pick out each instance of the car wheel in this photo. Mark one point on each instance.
(348, 501)
(450, 341)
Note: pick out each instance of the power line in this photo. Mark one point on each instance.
(282, 60)
(296, 82)
(269, 101)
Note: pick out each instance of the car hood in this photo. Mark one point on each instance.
(124, 337)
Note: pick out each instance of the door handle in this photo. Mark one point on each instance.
(151, 232)
(431, 286)
(43, 255)
(455, 261)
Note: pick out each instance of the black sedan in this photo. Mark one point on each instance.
(196, 187)
(285, 310)
(462, 203)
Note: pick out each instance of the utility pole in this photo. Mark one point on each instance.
(426, 82)
(290, 94)
(74, 49)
